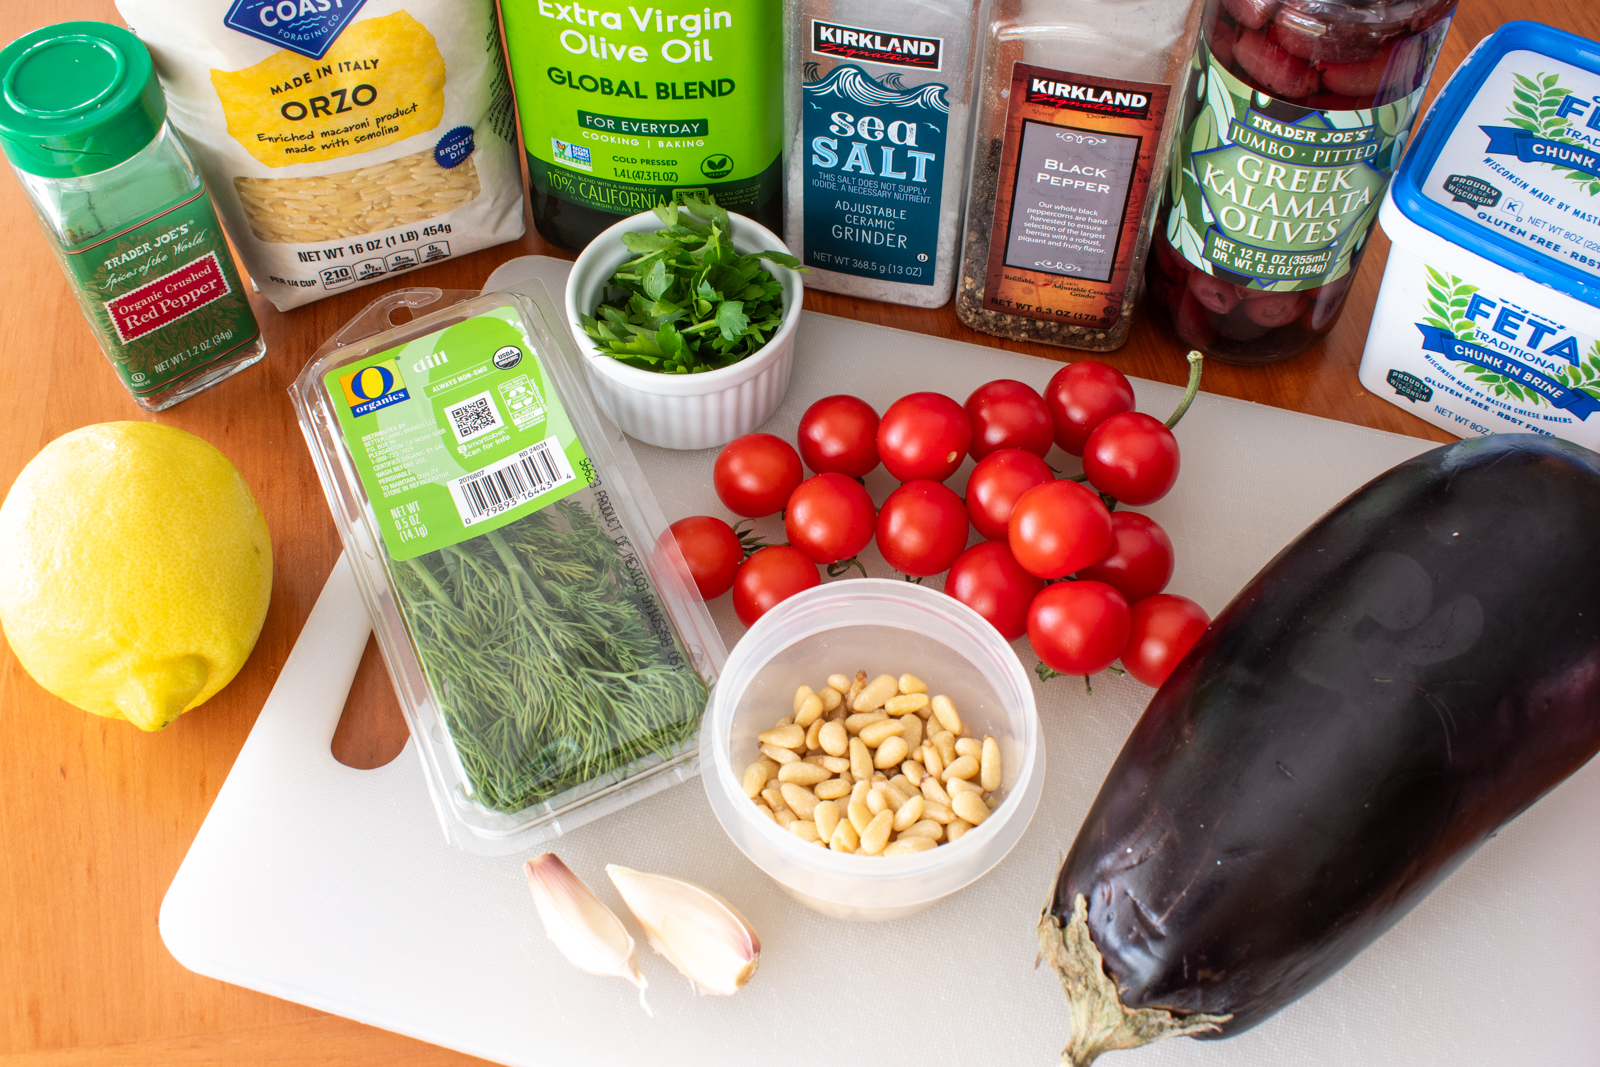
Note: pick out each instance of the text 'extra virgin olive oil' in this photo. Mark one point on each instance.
(625, 107)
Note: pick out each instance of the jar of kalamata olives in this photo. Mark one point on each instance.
(1296, 115)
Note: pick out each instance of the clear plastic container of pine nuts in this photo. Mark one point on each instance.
(881, 627)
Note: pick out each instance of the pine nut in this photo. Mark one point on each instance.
(803, 773)
(809, 712)
(910, 683)
(857, 684)
(906, 703)
(845, 838)
(860, 759)
(859, 791)
(859, 815)
(806, 829)
(785, 721)
(945, 712)
(835, 764)
(962, 785)
(763, 809)
(913, 771)
(937, 812)
(932, 760)
(778, 754)
(934, 791)
(826, 818)
(876, 835)
(755, 779)
(956, 829)
(830, 697)
(839, 683)
(929, 828)
(862, 719)
(878, 800)
(891, 753)
(833, 739)
(913, 734)
(963, 767)
(970, 806)
(969, 746)
(989, 765)
(901, 786)
(785, 817)
(908, 813)
(945, 742)
(801, 800)
(813, 736)
(773, 798)
(876, 733)
(907, 846)
(832, 789)
(875, 692)
(801, 695)
(790, 736)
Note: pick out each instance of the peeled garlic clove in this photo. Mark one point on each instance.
(703, 935)
(586, 931)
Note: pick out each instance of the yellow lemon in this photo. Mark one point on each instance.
(137, 570)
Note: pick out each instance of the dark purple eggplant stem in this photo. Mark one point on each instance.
(1100, 1021)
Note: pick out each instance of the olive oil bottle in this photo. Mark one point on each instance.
(625, 107)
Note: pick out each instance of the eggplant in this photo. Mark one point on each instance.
(1408, 675)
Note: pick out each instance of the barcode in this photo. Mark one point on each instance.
(529, 474)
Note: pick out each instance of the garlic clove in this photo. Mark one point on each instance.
(703, 935)
(587, 932)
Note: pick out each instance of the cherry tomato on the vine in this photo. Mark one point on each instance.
(1078, 627)
(1057, 528)
(755, 474)
(829, 517)
(1132, 457)
(988, 579)
(1163, 629)
(922, 528)
(1081, 396)
(769, 577)
(924, 435)
(1009, 414)
(712, 550)
(995, 484)
(1141, 559)
(840, 434)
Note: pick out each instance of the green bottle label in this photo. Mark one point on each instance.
(1276, 196)
(456, 433)
(163, 295)
(622, 111)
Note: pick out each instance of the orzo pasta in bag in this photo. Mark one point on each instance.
(343, 140)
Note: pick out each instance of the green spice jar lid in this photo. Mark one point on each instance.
(77, 98)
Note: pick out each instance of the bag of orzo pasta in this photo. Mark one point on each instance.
(343, 140)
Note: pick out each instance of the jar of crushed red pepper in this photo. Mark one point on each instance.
(1296, 116)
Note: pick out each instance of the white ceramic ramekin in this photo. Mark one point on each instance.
(683, 410)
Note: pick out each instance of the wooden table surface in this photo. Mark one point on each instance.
(95, 816)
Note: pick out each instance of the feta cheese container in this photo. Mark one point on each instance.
(1489, 316)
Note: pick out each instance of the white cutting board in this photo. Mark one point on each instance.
(334, 887)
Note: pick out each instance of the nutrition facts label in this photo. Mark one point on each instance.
(1067, 208)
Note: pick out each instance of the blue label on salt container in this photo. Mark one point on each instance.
(874, 172)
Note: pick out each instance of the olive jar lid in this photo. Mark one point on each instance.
(77, 98)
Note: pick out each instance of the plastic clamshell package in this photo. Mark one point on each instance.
(1488, 320)
(604, 496)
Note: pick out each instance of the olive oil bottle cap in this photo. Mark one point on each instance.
(77, 98)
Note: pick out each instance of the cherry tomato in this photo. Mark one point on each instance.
(922, 528)
(1057, 528)
(840, 434)
(1140, 563)
(1132, 457)
(1009, 414)
(924, 435)
(712, 551)
(755, 474)
(1078, 627)
(995, 484)
(1163, 629)
(829, 517)
(1083, 395)
(769, 577)
(988, 579)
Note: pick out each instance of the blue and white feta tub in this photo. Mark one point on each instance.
(1489, 316)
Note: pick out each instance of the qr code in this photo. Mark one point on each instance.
(473, 416)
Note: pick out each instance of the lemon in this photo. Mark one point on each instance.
(137, 570)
